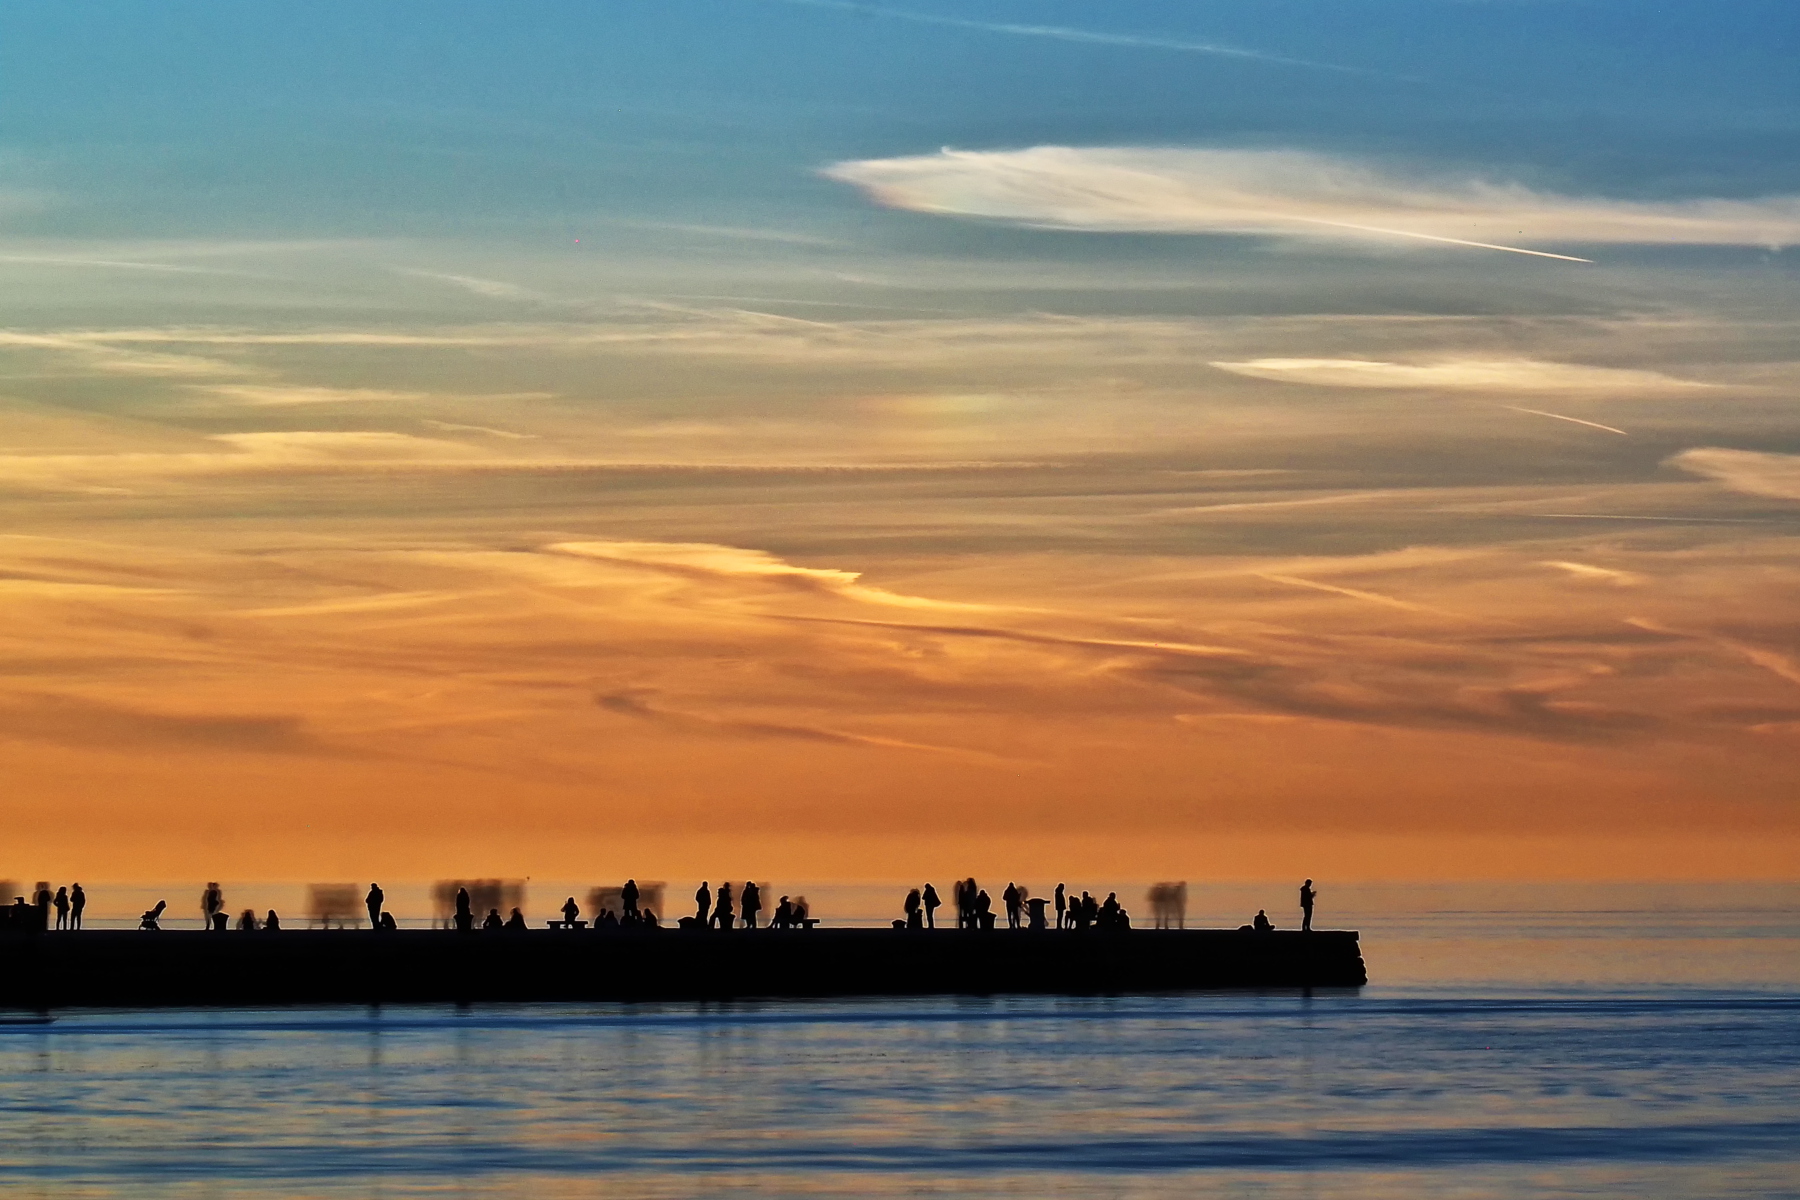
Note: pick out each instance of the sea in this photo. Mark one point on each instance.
(1514, 1041)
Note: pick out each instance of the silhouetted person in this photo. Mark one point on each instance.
(1015, 905)
(492, 920)
(247, 921)
(42, 898)
(212, 900)
(465, 916)
(648, 919)
(911, 908)
(1262, 924)
(570, 911)
(1108, 916)
(801, 912)
(628, 896)
(606, 920)
(149, 919)
(1062, 908)
(983, 914)
(703, 904)
(516, 921)
(387, 923)
(723, 914)
(1037, 920)
(750, 901)
(784, 915)
(77, 904)
(932, 904)
(272, 922)
(62, 907)
(1307, 895)
(373, 902)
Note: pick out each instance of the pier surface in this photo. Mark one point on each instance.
(115, 968)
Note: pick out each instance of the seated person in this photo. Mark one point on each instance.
(272, 923)
(607, 919)
(493, 921)
(647, 919)
(570, 911)
(1262, 924)
(516, 921)
(387, 922)
(247, 922)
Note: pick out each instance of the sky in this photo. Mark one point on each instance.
(860, 441)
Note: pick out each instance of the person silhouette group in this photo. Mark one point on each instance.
(713, 910)
(975, 909)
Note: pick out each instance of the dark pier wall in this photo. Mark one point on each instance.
(122, 968)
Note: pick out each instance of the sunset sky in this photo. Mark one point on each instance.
(1160, 439)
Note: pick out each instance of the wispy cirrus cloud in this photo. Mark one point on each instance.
(239, 453)
(1294, 193)
(704, 559)
(1752, 472)
(281, 395)
(494, 289)
(1463, 374)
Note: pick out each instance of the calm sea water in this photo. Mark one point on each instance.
(1514, 1043)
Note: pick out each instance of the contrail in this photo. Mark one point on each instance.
(1062, 33)
(1538, 412)
(1432, 237)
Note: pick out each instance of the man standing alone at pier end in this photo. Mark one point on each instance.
(1306, 906)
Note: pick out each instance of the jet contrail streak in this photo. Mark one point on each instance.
(1432, 237)
(1062, 33)
(1538, 412)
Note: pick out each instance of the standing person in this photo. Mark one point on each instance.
(212, 900)
(77, 902)
(1014, 903)
(465, 915)
(62, 907)
(1307, 895)
(750, 900)
(42, 898)
(722, 911)
(373, 901)
(965, 903)
(628, 898)
(932, 904)
(911, 909)
(1062, 908)
(703, 903)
